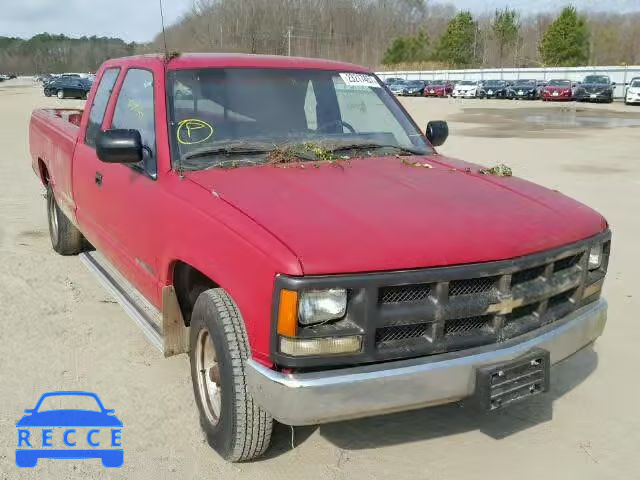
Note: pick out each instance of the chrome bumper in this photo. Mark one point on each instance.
(320, 397)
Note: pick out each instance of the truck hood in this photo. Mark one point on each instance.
(381, 214)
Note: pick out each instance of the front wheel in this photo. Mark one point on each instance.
(60, 94)
(47, 93)
(235, 426)
(66, 239)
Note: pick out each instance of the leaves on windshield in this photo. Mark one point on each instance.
(500, 170)
(284, 155)
(414, 164)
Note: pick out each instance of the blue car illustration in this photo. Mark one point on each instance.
(70, 418)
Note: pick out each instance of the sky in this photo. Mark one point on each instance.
(131, 20)
(139, 20)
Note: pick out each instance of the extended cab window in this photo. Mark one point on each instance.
(99, 106)
(135, 110)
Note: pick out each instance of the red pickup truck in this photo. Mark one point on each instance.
(286, 223)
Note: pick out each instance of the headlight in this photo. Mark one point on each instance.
(317, 306)
(595, 257)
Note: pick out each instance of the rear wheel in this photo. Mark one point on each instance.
(66, 239)
(235, 426)
(60, 94)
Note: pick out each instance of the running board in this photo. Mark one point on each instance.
(165, 331)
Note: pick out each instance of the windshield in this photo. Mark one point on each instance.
(416, 83)
(215, 114)
(635, 84)
(559, 83)
(494, 83)
(598, 79)
(467, 82)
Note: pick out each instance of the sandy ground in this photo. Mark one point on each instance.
(60, 330)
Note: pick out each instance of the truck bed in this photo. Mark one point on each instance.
(53, 133)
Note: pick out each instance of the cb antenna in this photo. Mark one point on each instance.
(164, 34)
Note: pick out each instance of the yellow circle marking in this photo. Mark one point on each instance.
(188, 132)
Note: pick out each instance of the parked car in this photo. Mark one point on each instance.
(391, 80)
(595, 88)
(465, 89)
(311, 295)
(632, 94)
(558, 89)
(397, 88)
(67, 87)
(523, 90)
(494, 89)
(414, 88)
(540, 84)
(438, 88)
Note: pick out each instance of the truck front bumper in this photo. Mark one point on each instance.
(320, 397)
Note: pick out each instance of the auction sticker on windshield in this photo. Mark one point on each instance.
(359, 80)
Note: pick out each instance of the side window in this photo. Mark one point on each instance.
(135, 110)
(310, 108)
(99, 106)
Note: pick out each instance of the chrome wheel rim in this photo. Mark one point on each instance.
(53, 220)
(208, 377)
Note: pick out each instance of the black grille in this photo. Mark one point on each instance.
(567, 262)
(560, 299)
(527, 275)
(401, 332)
(405, 293)
(521, 312)
(461, 326)
(471, 286)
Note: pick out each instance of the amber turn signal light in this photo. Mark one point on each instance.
(288, 313)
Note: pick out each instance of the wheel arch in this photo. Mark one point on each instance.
(189, 282)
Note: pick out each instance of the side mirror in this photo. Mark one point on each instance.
(437, 132)
(119, 146)
(613, 84)
(28, 410)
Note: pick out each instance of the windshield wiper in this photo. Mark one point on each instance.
(376, 146)
(230, 149)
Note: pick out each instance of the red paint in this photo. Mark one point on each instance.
(241, 227)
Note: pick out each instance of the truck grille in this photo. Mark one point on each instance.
(429, 311)
(457, 313)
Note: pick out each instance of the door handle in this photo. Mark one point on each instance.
(98, 179)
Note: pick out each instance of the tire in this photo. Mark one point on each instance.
(60, 94)
(66, 239)
(47, 93)
(238, 429)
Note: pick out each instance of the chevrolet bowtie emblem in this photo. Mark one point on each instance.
(505, 306)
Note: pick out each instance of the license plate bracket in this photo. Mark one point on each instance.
(505, 383)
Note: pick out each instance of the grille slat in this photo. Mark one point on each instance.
(401, 332)
(527, 275)
(566, 262)
(461, 326)
(471, 286)
(405, 293)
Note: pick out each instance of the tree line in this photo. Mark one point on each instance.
(392, 32)
(45, 53)
(376, 33)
